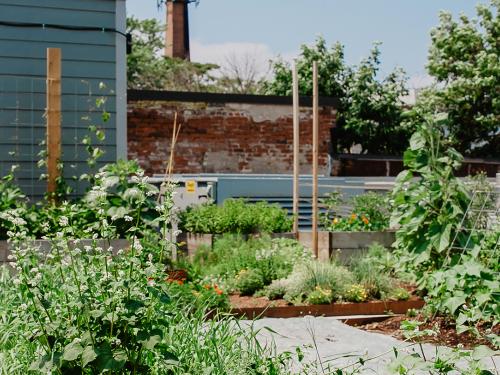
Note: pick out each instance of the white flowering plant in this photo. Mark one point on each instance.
(85, 308)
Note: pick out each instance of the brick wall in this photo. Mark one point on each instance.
(224, 137)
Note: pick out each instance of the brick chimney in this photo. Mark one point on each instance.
(177, 33)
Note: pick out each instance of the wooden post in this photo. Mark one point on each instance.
(315, 161)
(296, 145)
(53, 117)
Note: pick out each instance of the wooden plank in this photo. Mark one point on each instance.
(315, 141)
(296, 145)
(53, 117)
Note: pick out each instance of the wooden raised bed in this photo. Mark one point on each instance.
(376, 308)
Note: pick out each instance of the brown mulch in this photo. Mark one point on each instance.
(238, 301)
(447, 336)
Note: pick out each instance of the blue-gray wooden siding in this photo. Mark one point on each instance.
(88, 59)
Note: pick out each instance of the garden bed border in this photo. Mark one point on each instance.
(376, 308)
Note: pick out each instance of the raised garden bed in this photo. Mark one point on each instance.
(343, 245)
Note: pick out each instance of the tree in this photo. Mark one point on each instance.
(240, 75)
(148, 68)
(370, 110)
(464, 58)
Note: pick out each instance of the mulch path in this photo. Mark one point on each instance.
(447, 336)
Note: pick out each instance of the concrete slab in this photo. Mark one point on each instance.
(332, 343)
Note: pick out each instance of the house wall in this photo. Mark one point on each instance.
(88, 59)
(224, 137)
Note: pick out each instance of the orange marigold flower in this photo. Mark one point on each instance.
(207, 287)
(365, 219)
(353, 216)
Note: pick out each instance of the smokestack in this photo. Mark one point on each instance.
(177, 33)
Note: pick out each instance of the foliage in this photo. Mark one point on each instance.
(13, 200)
(370, 212)
(320, 296)
(86, 309)
(369, 110)
(275, 290)
(449, 265)
(198, 296)
(148, 68)
(121, 193)
(306, 276)
(249, 281)
(235, 216)
(271, 258)
(356, 293)
(464, 59)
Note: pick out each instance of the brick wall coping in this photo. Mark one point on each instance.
(181, 96)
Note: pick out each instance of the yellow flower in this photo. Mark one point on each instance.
(335, 221)
(353, 216)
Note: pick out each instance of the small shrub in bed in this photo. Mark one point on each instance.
(320, 296)
(276, 290)
(305, 277)
(356, 293)
(249, 281)
(400, 294)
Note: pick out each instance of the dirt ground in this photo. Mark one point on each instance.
(447, 333)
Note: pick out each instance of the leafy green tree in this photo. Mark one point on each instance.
(464, 58)
(370, 110)
(148, 68)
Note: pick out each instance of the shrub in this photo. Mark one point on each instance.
(371, 272)
(305, 277)
(400, 294)
(276, 290)
(249, 281)
(320, 296)
(356, 293)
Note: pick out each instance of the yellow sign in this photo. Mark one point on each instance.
(190, 186)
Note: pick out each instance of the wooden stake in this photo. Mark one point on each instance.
(296, 146)
(53, 118)
(315, 142)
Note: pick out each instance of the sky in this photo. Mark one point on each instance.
(223, 30)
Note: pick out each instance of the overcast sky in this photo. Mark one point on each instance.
(267, 28)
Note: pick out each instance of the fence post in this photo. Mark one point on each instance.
(53, 118)
(315, 160)
(296, 145)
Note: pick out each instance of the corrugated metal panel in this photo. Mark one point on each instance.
(89, 57)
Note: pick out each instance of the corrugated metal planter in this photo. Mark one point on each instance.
(334, 309)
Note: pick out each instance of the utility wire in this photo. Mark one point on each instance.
(61, 27)
(127, 36)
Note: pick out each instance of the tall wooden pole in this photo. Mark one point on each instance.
(315, 142)
(53, 117)
(296, 145)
